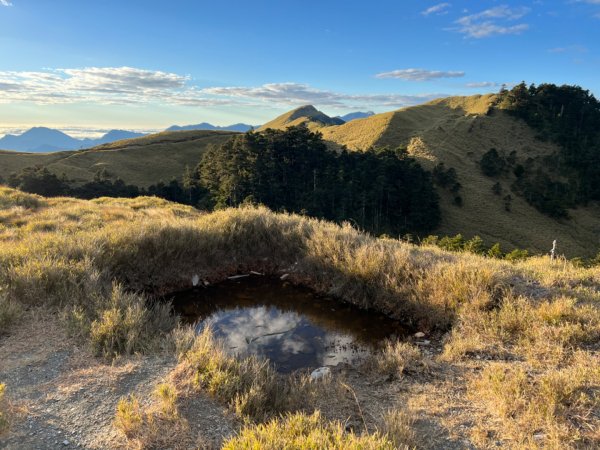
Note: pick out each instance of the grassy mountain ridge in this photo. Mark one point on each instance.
(455, 131)
(141, 161)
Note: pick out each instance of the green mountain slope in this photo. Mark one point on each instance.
(456, 131)
(142, 161)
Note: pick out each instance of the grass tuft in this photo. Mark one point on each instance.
(395, 359)
(249, 386)
(301, 431)
(398, 426)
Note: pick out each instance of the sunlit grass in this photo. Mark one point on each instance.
(99, 263)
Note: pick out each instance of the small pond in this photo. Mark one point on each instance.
(290, 325)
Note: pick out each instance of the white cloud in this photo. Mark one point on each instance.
(439, 9)
(127, 85)
(493, 21)
(103, 85)
(419, 74)
(299, 94)
(482, 84)
(5, 3)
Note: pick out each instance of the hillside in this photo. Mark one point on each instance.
(89, 358)
(456, 131)
(141, 161)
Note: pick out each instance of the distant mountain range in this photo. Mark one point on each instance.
(46, 140)
(241, 127)
(356, 115)
(43, 140)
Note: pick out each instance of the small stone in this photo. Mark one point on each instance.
(65, 442)
(419, 335)
(423, 342)
(285, 276)
(539, 436)
(321, 372)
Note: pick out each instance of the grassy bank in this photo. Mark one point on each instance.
(531, 328)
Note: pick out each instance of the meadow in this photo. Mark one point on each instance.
(516, 363)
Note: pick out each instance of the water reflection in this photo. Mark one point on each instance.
(291, 326)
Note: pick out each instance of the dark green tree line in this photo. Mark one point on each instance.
(380, 190)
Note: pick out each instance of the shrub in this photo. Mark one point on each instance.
(492, 164)
(495, 251)
(300, 431)
(517, 255)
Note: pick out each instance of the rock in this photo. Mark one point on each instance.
(195, 280)
(65, 442)
(321, 372)
(423, 342)
(236, 277)
(419, 335)
(285, 276)
(539, 436)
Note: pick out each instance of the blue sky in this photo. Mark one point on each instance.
(150, 64)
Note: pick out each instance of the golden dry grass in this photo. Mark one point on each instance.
(300, 431)
(532, 327)
(455, 130)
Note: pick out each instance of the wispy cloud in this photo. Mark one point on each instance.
(105, 85)
(482, 84)
(5, 3)
(569, 49)
(419, 74)
(127, 85)
(493, 21)
(439, 9)
(298, 93)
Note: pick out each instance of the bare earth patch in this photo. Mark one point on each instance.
(67, 397)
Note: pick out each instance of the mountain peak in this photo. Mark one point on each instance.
(304, 111)
(307, 115)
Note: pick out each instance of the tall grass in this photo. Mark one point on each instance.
(103, 262)
(249, 386)
(301, 431)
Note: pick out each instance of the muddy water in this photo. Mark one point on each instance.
(292, 326)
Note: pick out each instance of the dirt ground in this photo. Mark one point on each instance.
(64, 397)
